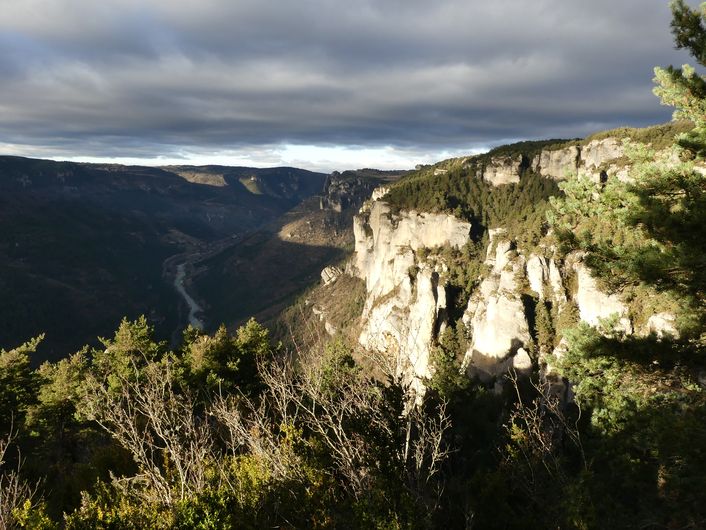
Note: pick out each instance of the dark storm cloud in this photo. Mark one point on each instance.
(144, 78)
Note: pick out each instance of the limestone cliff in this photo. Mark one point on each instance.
(598, 159)
(405, 296)
(495, 316)
(407, 302)
(409, 298)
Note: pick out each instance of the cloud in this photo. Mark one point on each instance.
(158, 78)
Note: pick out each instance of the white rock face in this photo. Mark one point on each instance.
(330, 274)
(495, 316)
(406, 301)
(379, 193)
(503, 170)
(599, 154)
(537, 274)
(384, 238)
(596, 153)
(556, 283)
(662, 324)
(590, 160)
(557, 163)
(522, 362)
(595, 304)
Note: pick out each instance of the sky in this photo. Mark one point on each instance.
(321, 84)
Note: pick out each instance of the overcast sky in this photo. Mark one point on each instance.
(321, 84)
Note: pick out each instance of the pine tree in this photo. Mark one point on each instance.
(650, 230)
(682, 87)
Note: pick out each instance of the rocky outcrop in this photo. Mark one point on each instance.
(537, 274)
(594, 304)
(557, 163)
(383, 241)
(495, 316)
(379, 193)
(598, 152)
(403, 323)
(330, 274)
(597, 160)
(661, 325)
(406, 297)
(321, 314)
(503, 170)
(345, 190)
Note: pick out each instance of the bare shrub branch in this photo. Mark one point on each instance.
(14, 491)
(171, 445)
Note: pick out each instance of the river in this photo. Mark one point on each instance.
(194, 308)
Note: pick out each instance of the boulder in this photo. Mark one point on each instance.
(522, 362)
(594, 304)
(662, 324)
(330, 274)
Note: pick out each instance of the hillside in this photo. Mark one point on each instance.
(537, 288)
(262, 273)
(85, 244)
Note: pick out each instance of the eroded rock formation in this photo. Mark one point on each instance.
(406, 299)
(503, 170)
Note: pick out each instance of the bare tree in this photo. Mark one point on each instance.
(14, 491)
(252, 430)
(170, 443)
(427, 450)
(539, 429)
(323, 395)
(334, 403)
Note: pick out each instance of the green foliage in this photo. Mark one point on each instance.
(642, 399)
(544, 328)
(528, 148)
(658, 137)
(133, 346)
(34, 517)
(517, 207)
(641, 233)
(109, 509)
(60, 441)
(465, 267)
(224, 363)
(60, 387)
(449, 378)
(17, 385)
(644, 417)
